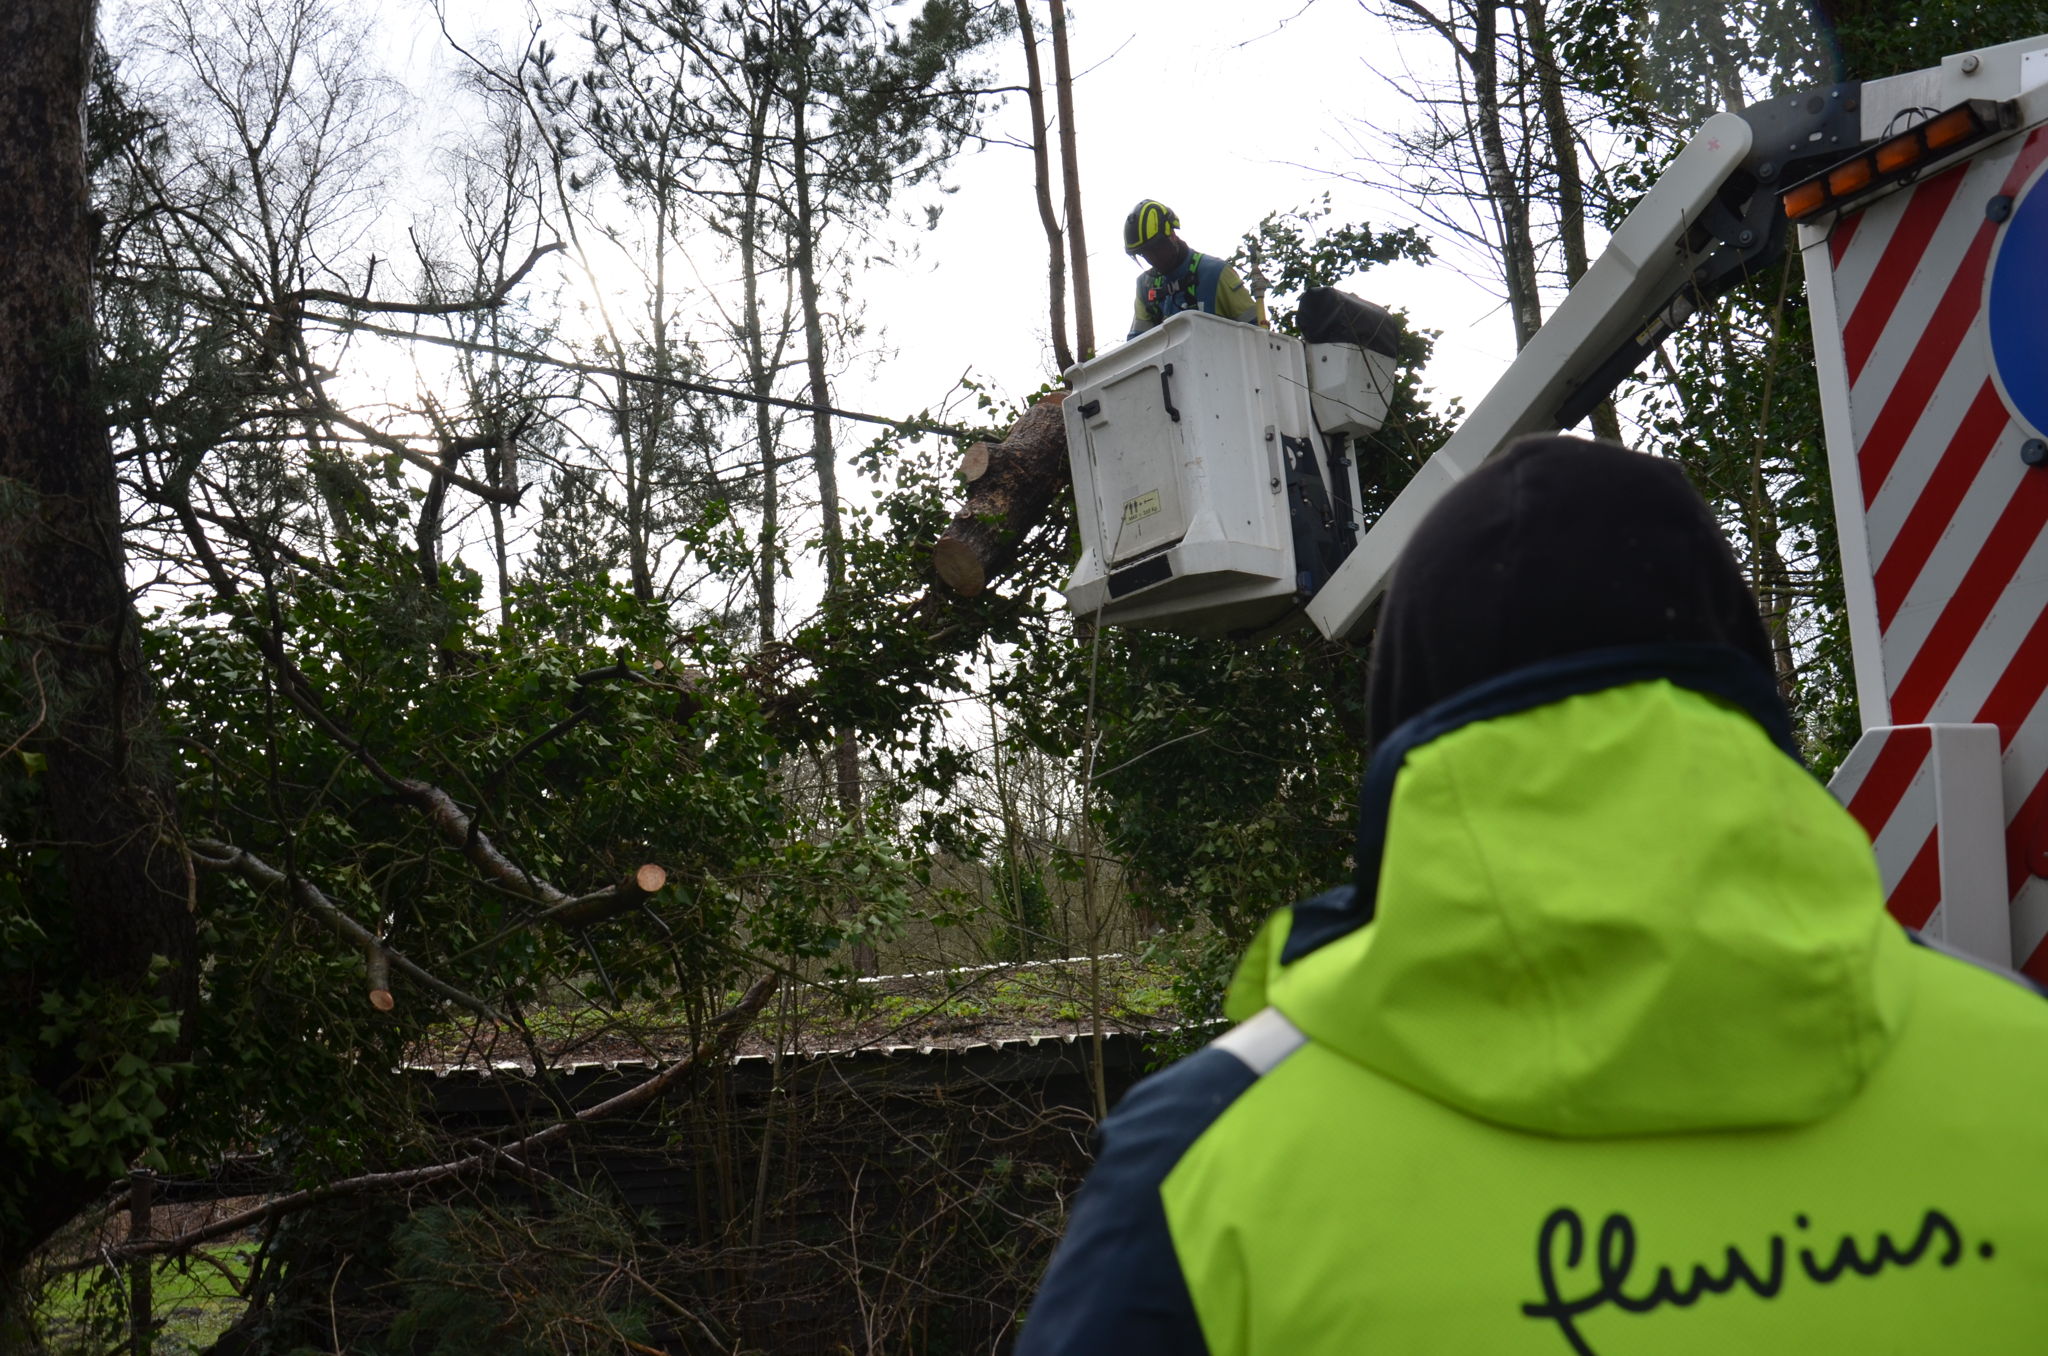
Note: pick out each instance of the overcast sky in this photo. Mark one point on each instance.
(1226, 111)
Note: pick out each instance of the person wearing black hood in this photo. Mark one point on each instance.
(1610, 1046)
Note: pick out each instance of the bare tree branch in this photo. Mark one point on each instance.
(496, 297)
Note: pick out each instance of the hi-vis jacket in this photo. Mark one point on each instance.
(1624, 1058)
(1203, 282)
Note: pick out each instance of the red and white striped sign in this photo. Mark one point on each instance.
(1951, 620)
(1888, 784)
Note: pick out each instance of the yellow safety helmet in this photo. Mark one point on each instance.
(1148, 221)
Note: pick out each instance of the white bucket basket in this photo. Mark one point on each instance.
(1196, 458)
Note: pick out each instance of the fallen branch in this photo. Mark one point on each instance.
(727, 1028)
(595, 908)
(219, 856)
(456, 827)
(461, 832)
(376, 437)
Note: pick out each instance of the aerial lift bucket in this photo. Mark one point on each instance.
(1212, 477)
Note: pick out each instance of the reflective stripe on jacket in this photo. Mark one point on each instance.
(1202, 283)
(1628, 1059)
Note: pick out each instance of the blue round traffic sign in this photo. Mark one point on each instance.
(2016, 306)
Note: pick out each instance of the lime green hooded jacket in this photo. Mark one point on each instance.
(1617, 1053)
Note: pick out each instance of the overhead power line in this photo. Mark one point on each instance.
(628, 374)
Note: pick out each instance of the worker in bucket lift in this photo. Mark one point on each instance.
(1610, 1047)
(1176, 278)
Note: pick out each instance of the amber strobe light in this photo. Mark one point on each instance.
(1897, 157)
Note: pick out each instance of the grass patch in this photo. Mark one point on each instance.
(193, 1301)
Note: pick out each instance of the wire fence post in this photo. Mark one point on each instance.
(141, 1305)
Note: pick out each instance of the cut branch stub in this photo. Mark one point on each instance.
(974, 462)
(595, 908)
(377, 968)
(1021, 477)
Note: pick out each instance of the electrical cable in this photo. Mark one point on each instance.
(628, 374)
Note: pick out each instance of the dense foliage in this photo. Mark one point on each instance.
(441, 661)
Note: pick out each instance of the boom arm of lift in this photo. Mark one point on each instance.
(1710, 220)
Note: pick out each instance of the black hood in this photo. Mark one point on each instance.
(1561, 545)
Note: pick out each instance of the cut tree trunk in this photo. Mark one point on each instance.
(1022, 476)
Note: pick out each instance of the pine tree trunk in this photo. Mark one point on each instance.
(759, 371)
(1041, 175)
(1571, 187)
(642, 455)
(845, 754)
(104, 804)
(1518, 249)
(1070, 170)
(823, 458)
